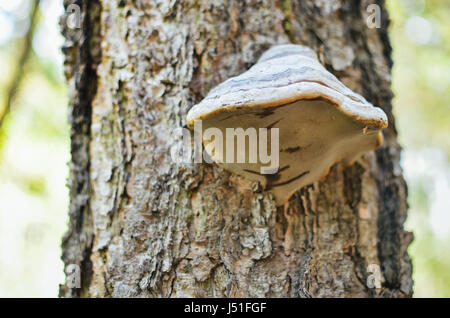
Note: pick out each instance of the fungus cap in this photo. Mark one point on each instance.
(320, 121)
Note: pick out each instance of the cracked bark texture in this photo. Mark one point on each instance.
(143, 226)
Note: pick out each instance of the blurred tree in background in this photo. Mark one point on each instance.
(34, 142)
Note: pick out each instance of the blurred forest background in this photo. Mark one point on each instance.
(34, 142)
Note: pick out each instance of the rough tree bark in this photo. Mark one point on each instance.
(143, 226)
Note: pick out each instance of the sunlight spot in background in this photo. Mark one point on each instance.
(421, 31)
(48, 39)
(430, 167)
(21, 27)
(18, 9)
(11, 5)
(6, 27)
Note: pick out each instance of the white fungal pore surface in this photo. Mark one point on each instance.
(313, 135)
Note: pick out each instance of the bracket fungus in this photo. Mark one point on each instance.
(320, 121)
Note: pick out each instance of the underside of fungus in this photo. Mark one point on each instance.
(320, 121)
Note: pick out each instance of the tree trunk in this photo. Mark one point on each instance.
(143, 226)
